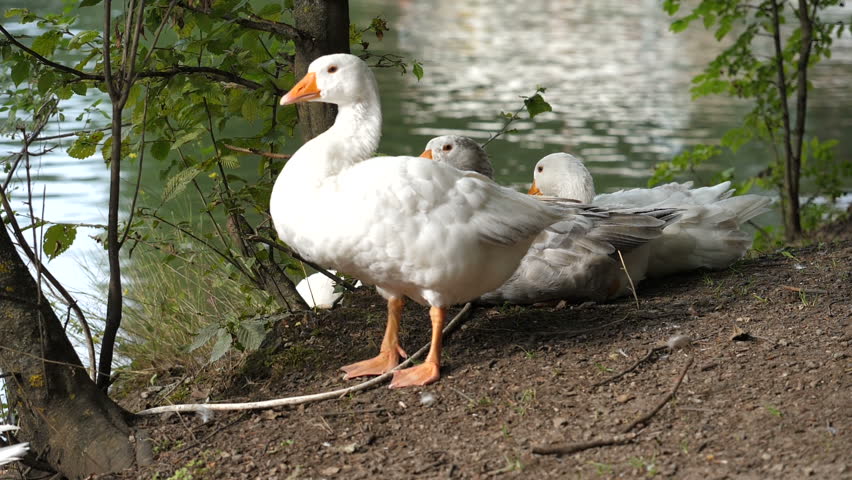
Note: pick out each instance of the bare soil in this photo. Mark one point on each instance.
(767, 395)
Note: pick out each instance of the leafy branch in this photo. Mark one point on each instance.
(534, 105)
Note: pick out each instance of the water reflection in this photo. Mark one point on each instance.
(618, 81)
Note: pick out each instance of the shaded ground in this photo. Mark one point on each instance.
(775, 405)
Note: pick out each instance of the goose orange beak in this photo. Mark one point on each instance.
(534, 189)
(303, 91)
(427, 154)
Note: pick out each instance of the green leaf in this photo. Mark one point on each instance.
(86, 145)
(202, 337)
(222, 345)
(671, 6)
(82, 38)
(58, 238)
(89, 3)
(20, 72)
(230, 161)
(46, 81)
(679, 25)
(178, 182)
(187, 137)
(536, 105)
(417, 70)
(250, 334)
(160, 149)
(250, 109)
(79, 88)
(45, 44)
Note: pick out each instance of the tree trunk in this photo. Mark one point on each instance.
(325, 24)
(792, 219)
(790, 196)
(69, 422)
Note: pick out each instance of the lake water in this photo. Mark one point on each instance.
(616, 77)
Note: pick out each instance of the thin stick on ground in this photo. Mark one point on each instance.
(663, 401)
(629, 280)
(629, 369)
(580, 446)
(298, 400)
(804, 290)
(626, 435)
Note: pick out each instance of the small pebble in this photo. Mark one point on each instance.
(678, 341)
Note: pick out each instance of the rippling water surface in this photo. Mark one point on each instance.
(618, 81)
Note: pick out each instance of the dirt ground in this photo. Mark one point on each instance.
(767, 395)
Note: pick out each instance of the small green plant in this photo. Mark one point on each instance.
(803, 297)
(764, 300)
(603, 368)
(526, 399)
(789, 255)
(481, 403)
(602, 468)
(773, 410)
(647, 466)
(512, 465)
(684, 447)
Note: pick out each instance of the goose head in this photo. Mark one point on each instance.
(341, 78)
(563, 175)
(460, 152)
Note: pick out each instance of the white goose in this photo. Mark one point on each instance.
(11, 453)
(561, 266)
(410, 226)
(708, 233)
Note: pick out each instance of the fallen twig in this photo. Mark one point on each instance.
(567, 448)
(804, 290)
(629, 369)
(647, 416)
(255, 151)
(625, 436)
(316, 397)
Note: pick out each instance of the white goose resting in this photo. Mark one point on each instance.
(707, 235)
(11, 453)
(410, 226)
(560, 266)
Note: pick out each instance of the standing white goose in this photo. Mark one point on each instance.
(708, 233)
(560, 266)
(410, 226)
(12, 452)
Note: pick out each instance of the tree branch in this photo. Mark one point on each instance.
(45, 61)
(285, 30)
(208, 71)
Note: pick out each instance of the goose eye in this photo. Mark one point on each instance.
(448, 147)
(332, 69)
(540, 169)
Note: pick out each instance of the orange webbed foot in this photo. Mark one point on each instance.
(422, 374)
(384, 362)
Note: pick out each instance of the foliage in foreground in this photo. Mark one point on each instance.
(767, 63)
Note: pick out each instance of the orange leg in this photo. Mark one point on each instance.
(389, 354)
(428, 371)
